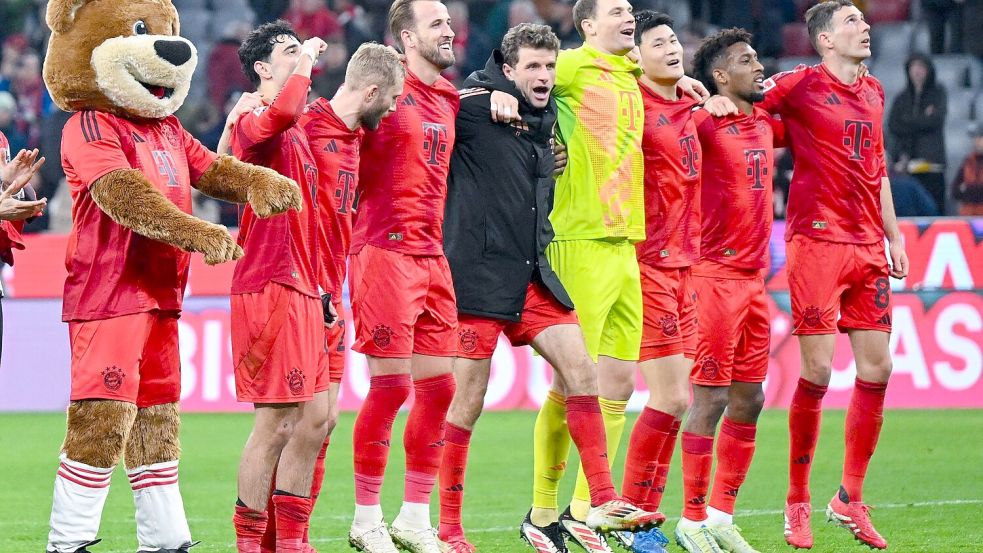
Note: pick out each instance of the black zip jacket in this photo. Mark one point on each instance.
(499, 197)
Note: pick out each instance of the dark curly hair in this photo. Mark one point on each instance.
(712, 51)
(645, 20)
(259, 45)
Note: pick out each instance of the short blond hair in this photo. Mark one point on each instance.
(374, 64)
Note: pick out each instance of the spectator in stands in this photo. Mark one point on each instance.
(224, 72)
(942, 14)
(967, 188)
(910, 198)
(972, 23)
(916, 123)
(312, 18)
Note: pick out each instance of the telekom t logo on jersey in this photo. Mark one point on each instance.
(434, 141)
(688, 145)
(757, 166)
(166, 166)
(858, 136)
(345, 192)
(628, 99)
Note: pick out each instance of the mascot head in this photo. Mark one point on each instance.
(119, 56)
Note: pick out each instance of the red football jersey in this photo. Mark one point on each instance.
(4, 148)
(336, 150)
(672, 182)
(403, 174)
(282, 248)
(836, 134)
(736, 193)
(113, 271)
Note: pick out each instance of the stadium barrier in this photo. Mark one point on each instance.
(937, 343)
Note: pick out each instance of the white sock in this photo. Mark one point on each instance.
(367, 516)
(716, 517)
(687, 524)
(80, 494)
(414, 515)
(161, 523)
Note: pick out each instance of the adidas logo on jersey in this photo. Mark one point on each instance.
(732, 129)
(331, 147)
(662, 120)
(832, 100)
(409, 101)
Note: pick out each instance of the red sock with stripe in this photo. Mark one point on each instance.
(735, 448)
(642, 461)
(372, 432)
(697, 462)
(452, 470)
(662, 471)
(293, 514)
(864, 418)
(249, 527)
(804, 417)
(423, 438)
(317, 482)
(586, 427)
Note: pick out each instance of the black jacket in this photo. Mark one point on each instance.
(499, 197)
(918, 134)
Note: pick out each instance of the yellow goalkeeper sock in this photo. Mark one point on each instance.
(551, 446)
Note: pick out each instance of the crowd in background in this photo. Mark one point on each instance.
(924, 179)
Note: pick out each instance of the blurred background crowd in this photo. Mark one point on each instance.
(927, 53)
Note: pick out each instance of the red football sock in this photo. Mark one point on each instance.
(249, 526)
(735, 448)
(317, 482)
(647, 438)
(268, 543)
(293, 514)
(863, 426)
(586, 426)
(804, 417)
(452, 469)
(423, 438)
(373, 429)
(662, 470)
(697, 461)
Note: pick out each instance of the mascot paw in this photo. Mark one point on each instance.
(272, 194)
(217, 244)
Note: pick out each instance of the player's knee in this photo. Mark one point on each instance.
(466, 409)
(817, 368)
(747, 406)
(875, 370)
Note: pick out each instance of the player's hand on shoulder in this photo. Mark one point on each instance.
(504, 107)
(693, 88)
(863, 71)
(247, 102)
(899, 259)
(560, 153)
(720, 106)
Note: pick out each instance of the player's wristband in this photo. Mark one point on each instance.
(309, 54)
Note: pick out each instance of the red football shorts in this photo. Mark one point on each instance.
(826, 278)
(132, 358)
(276, 342)
(332, 358)
(669, 313)
(402, 304)
(478, 336)
(734, 335)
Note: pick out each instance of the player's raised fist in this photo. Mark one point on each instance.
(216, 243)
(271, 193)
(315, 46)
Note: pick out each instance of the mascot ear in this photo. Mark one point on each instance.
(61, 14)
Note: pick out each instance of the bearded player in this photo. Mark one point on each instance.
(840, 211)
(496, 233)
(733, 337)
(402, 293)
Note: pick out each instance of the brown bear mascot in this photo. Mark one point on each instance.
(121, 66)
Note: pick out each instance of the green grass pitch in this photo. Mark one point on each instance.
(926, 483)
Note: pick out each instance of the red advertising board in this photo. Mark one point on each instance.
(937, 343)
